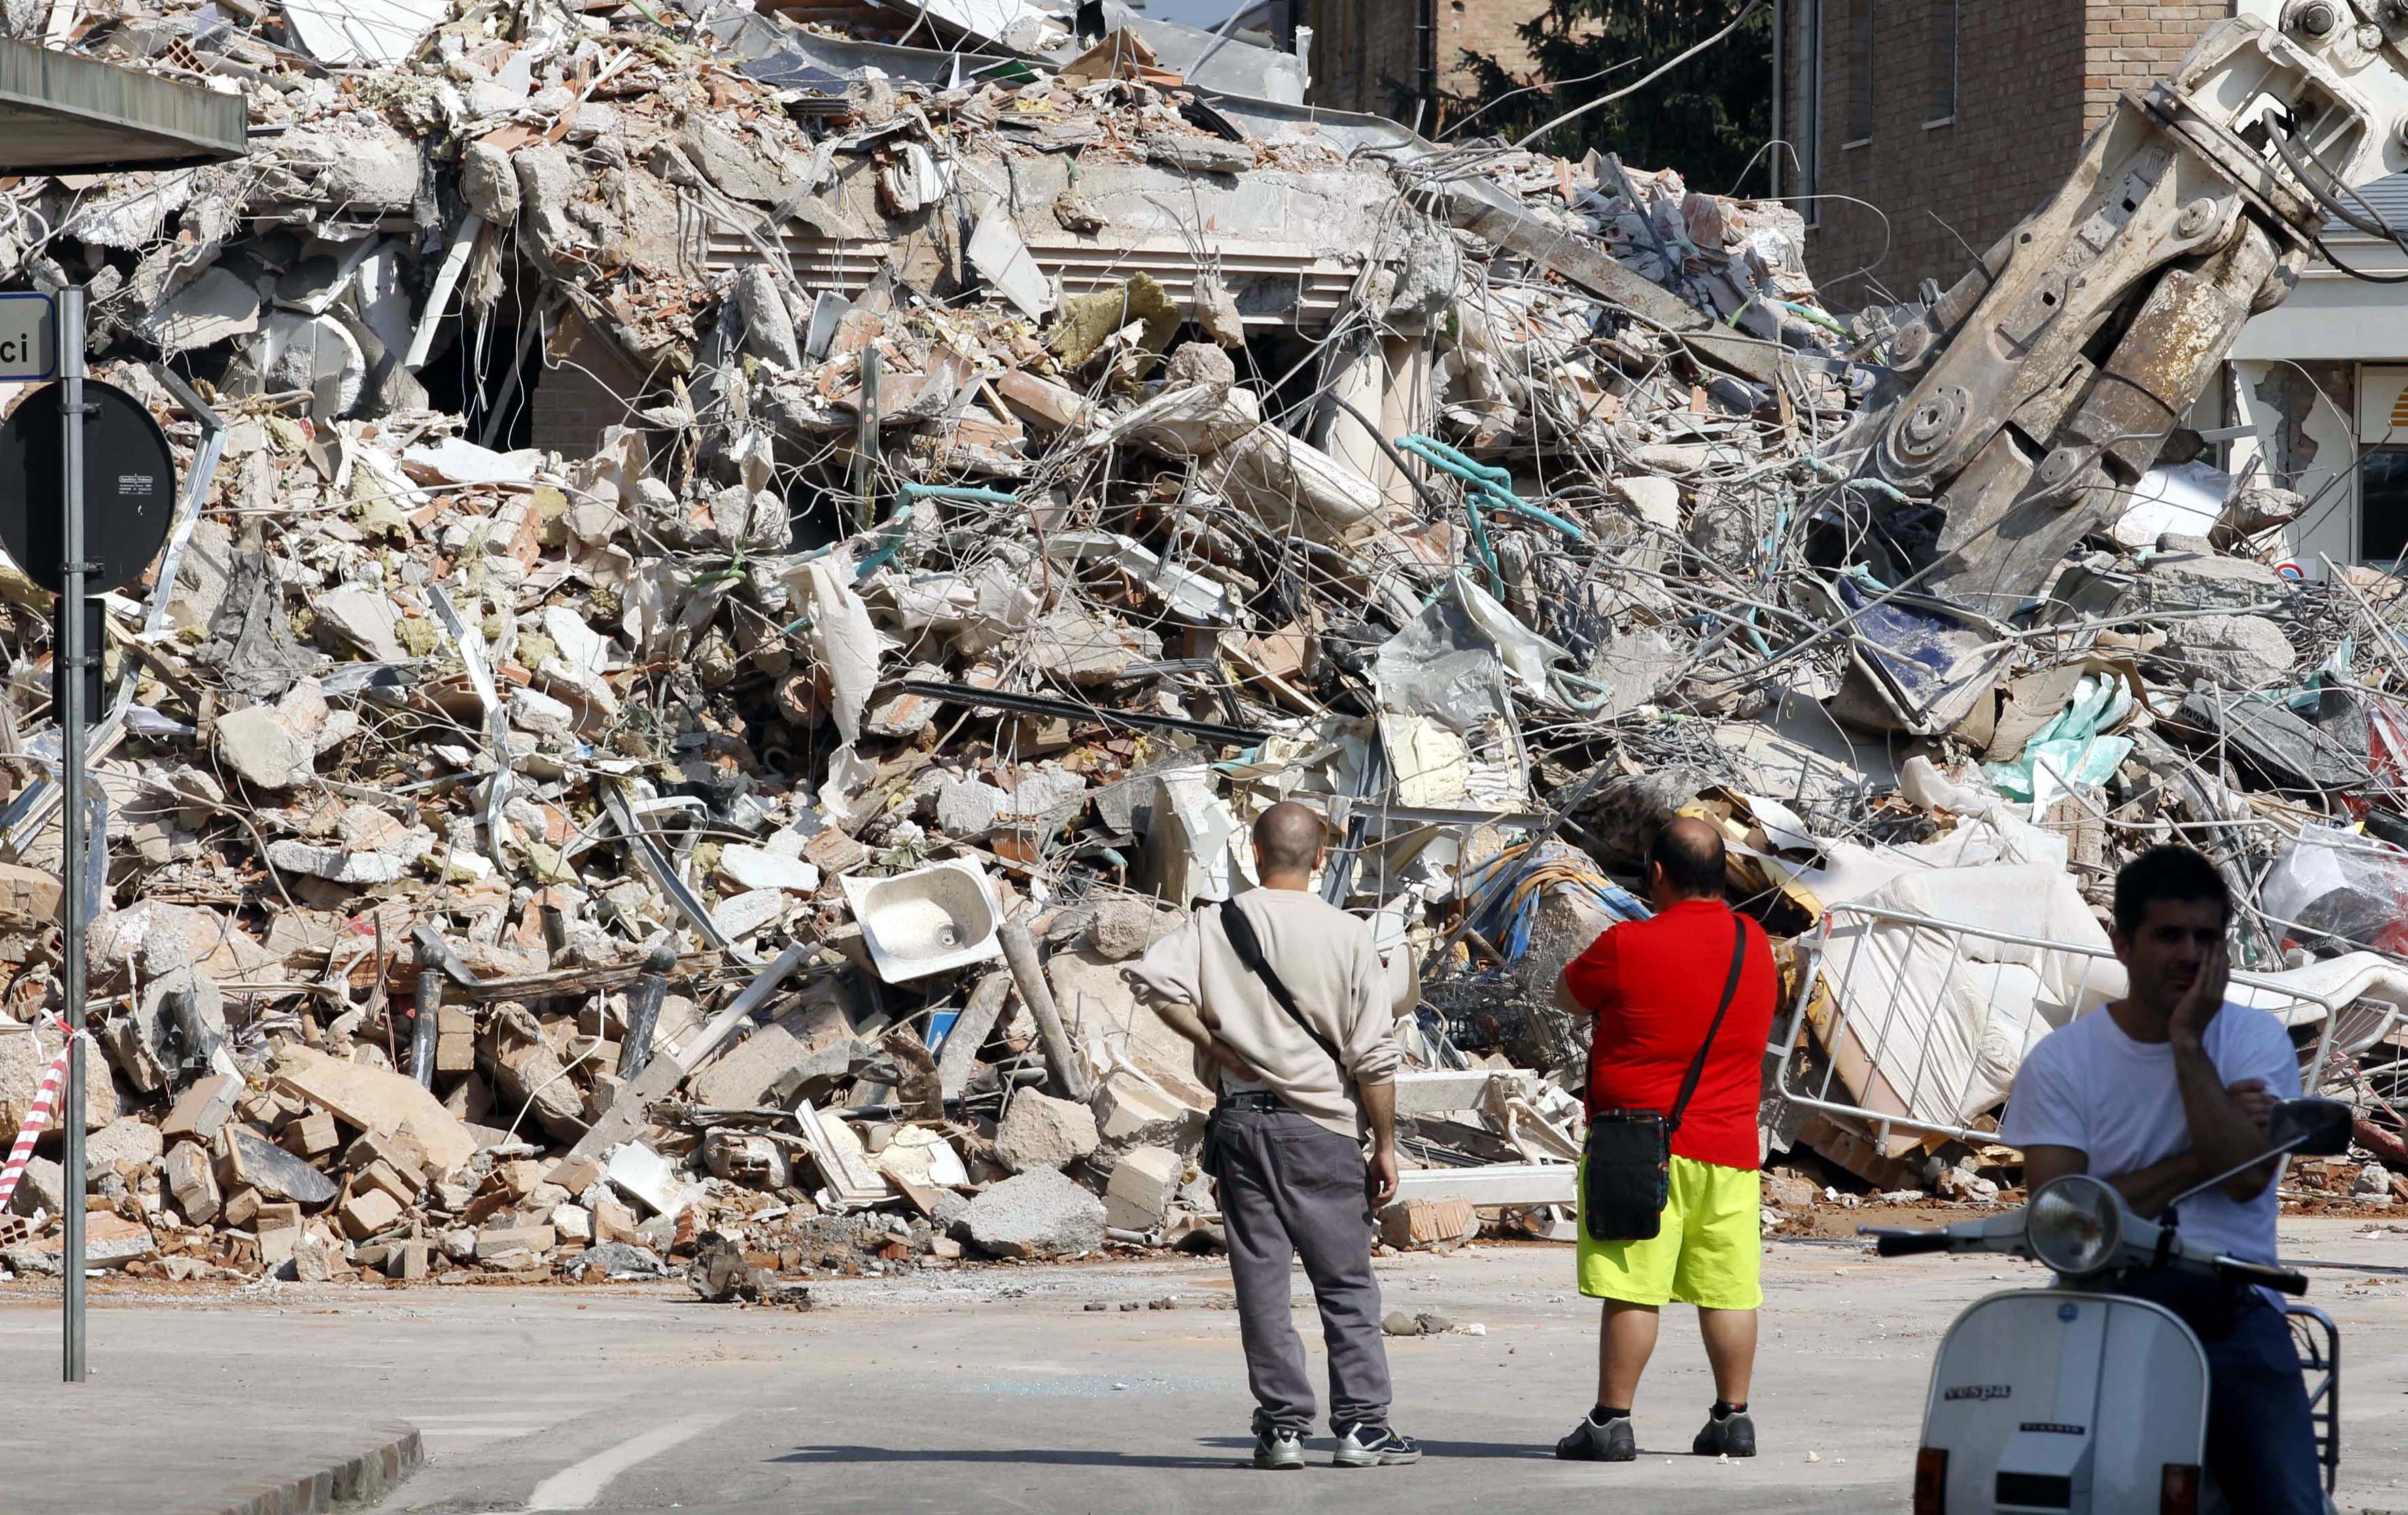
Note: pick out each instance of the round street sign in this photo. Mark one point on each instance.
(129, 487)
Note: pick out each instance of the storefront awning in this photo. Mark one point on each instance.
(62, 114)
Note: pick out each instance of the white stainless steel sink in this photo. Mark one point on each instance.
(927, 920)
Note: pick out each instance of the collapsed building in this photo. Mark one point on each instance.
(733, 570)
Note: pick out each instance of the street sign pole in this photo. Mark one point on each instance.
(70, 653)
(131, 502)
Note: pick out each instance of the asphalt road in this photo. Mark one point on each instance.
(996, 1389)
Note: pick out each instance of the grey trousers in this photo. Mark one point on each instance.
(1291, 1187)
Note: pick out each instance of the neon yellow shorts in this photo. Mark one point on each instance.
(1709, 1253)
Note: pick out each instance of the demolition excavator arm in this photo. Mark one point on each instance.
(2019, 410)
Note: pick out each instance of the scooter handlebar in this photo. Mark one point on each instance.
(1907, 1243)
(2282, 1280)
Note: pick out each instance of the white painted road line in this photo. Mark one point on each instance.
(578, 1486)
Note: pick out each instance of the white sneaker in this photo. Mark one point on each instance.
(1374, 1446)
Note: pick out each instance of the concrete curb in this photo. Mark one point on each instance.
(395, 1454)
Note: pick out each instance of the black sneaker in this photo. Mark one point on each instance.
(1277, 1450)
(1727, 1436)
(1612, 1442)
(1374, 1446)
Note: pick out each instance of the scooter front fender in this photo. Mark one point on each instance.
(2054, 1402)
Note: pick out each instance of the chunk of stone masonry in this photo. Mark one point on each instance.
(1125, 928)
(201, 1109)
(131, 1141)
(493, 1240)
(42, 1186)
(192, 1184)
(1127, 1107)
(1143, 1186)
(1042, 1131)
(367, 1212)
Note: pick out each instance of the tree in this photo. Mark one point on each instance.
(1710, 118)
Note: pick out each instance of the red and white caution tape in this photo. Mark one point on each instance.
(45, 1100)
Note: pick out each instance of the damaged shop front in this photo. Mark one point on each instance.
(2310, 403)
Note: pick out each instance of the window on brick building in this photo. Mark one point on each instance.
(1943, 106)
(1860, 71)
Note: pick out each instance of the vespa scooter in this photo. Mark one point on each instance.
(2071, 1401)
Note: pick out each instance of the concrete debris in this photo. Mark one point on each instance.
(637, 657)
(1039, 1131)
(1040, 1213)
(1143, 1184)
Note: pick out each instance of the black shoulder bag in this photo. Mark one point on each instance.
(1628, 1177)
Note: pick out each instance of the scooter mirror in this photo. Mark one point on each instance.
(2315, 1127)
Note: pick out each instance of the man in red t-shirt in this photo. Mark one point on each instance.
(1653, 987)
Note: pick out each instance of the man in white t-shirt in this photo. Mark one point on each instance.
(2159, 1092)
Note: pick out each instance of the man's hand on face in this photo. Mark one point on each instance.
(1382, 1177)
(2203, 998)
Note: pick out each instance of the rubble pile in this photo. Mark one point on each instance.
(714, 843)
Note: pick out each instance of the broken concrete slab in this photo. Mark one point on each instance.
(757, 868)
(2185, 573)
(647, 1178)
(276, 746)
(741, 1076)
(110, 1241)
(249, 1160)
(1038, 1213)
(1191, 153)
(218, 307)
(2235, 653)
(364, 617)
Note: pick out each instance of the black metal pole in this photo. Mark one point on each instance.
(70, 653)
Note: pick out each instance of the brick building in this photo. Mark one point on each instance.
(1368, 54)
(1921, 131)
(583, 386)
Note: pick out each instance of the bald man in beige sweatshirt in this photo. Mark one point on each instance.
(1300, 1089)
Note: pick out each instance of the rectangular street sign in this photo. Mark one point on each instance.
(29, 337)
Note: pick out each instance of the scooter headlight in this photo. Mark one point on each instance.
(2075, 1224)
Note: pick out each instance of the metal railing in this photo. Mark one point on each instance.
(1841, 1068)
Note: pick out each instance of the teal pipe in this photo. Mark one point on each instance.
(1494, 485)
(908, 492)
(890, 534)
(899, 522)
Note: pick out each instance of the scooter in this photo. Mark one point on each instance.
(2066, 1401)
